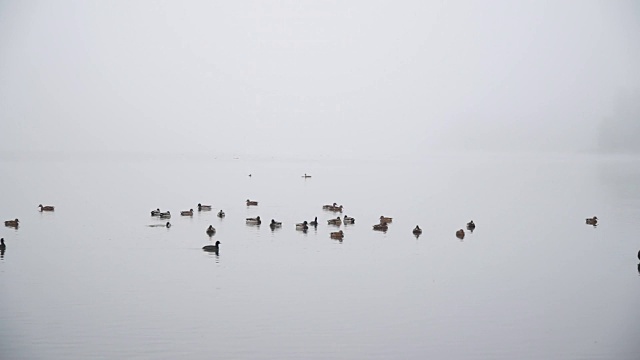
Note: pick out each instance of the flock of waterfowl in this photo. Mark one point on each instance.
(382, 225)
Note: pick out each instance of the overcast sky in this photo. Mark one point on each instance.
(361, 78)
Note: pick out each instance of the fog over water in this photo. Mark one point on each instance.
(438, 112)
(308, 78)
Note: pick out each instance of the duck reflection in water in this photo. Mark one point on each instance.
(3, 247)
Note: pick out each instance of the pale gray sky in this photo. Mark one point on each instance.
(359, 78)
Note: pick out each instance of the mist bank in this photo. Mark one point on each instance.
(620, 132)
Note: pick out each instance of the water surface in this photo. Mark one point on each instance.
(92, 280)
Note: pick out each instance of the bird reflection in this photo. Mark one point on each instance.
(2, 253)
(638, 264)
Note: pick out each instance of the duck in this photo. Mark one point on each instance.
(471, 226)
(460, 234)
(275, 224)
(221, 214)
(165, 215)
(187, 212)
(381, 227)
(254, 221)
(251, 203)
(212, 248)
(329, 207)
(306, 176)
(304, 226)
(592, 221)
(337, 208)
(337, 221)
(417, 230)
(349, 220)
(638, 255)
(211, 230)
(314, 222)
(12, 223)
(204, 207)
(337, 235)
(3, 247)
(167, 225)
(45, 208)
(155, 212)
(385, 220)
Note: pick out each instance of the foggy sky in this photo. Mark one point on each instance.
(313, 78)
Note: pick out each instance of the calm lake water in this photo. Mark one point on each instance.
(533, 281)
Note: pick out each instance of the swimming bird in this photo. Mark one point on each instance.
(329, 207)
(221, 214)
(212, 248)
(3, 247)
(251, 203)
(417, 230)
(385, 220)
(156, 212)
(211, 230)
(306, 176)
(471, 226)
(337, 235)
(167, 225)
(45, 208)
(592, 221)
(165, 215)
(11, 223)
(460, 234)
(275, 224)
(381, 227)
(349, 220)
(187, 212)
(314, 222)
(337, 221)
(304, 226)
(337, 208)
(254, 221)
(204, 207)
